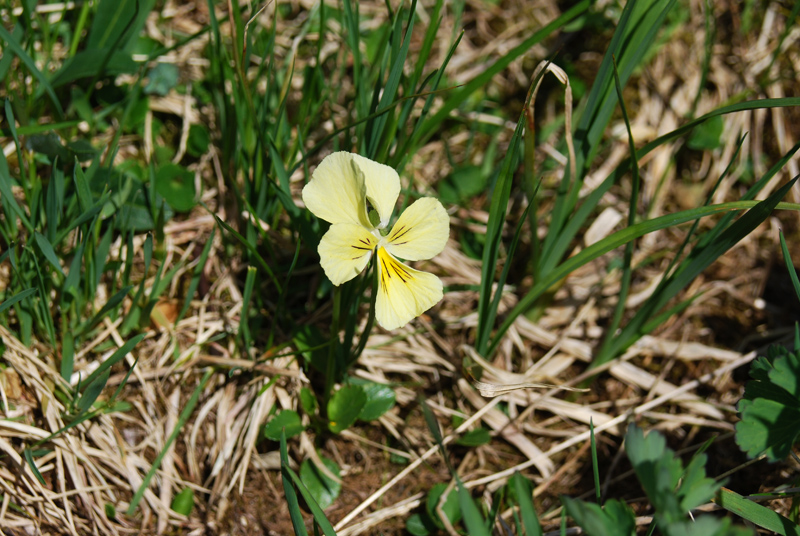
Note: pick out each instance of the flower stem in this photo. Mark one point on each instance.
(362, 343)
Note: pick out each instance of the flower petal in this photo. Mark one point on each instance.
(345, 250)
(383, 187)
(421, 231)
(336, 192)
(403, 293)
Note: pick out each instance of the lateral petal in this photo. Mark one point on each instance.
(383, 187)
(345, 250)
(420, 232)
(403, 293)
(336, 192)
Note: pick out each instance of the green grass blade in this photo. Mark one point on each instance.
(577, 218)
(627, 272)
(197, 273)
(455, 100)
(16, 298)
(497, 217)
(524, 495)
(115, 358)
(609, 243)
(8, 198)
(473, 519)
(28, 454)
(316, 511)
(47, 250)
(13, 45)
(756, 514)
(787, 258)
(288, 491)
(697, 261)
(182, 419)
(635, 32)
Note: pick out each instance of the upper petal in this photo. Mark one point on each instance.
(383, 186)
(420, 232)
(336, 192)
(345, 250)
(403, 293)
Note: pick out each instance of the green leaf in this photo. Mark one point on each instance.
(85, 64)
(287, 476)
(287, 420)
(614, 519)
(28, 454)
(672, 491)
(19, 296)
(450, 508)
(308, 401)
(417, 525)
(324, 489)
(199, 140)
(524, 498)
(175, 184)
(380, 399)
(707, 135)
(183, 502)
(344, 407)
(10, 43)
(116, 22)
(48, 251)
(92, 391)
(475, 438)
(473, 519)
(163, 77)
(770, 409)
(756, 513)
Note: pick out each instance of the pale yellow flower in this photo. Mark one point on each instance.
(338, 193)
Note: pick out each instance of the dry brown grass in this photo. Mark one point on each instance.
(678, 381)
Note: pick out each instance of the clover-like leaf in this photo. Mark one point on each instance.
(770, 408)
(344, 407)
(287, 419)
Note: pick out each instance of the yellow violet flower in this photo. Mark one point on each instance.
(338, 193)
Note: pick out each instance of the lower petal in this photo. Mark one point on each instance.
(344, 251)
(403, 293)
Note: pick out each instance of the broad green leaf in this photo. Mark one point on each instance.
(417, 525)
(324, 489)
(380, 399)
(308, 401)
(344, 407)
(614, 519)
(175, 184)
(183, 502)
(475, 438)
(451, 508)
(162, 78)
(707, 135)
(199, 140)
(287, 420)
(770, 408)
